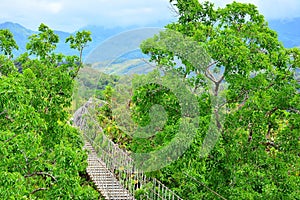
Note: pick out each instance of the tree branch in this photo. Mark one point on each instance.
(244, 93)
(211, 64)
(173, 9)
(41, 174)
(268, 136)
(294, 110)
(270, 112)
(36, 190)
(216, 111)
(208, 73)
(9, 118)
(9, 139)
(147, 62)
(5, 111)
(217, 84)
(220, 196)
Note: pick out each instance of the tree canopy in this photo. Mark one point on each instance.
(41, 154)
(251, 78)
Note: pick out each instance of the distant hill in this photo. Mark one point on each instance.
(120, 45)
(128, 67)
(120, 54)
(99, 34)
(20, 33)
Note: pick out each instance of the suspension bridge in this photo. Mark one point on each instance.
(112, 169)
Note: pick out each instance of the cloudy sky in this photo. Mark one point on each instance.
(69, 15)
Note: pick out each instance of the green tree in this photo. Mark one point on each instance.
(43, 43)
(256, 156)
(7, 45)
(7, 42)
(41, 154)
(79, 41)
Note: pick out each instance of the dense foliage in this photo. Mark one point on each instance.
(257, 153)
(247, 91)
(41, 153)
(91, 82)
(231, 59)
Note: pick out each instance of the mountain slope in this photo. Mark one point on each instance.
(99, 34)
(119, 44)
(114, 43)
(20, 33)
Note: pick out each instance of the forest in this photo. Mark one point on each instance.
(218, 117)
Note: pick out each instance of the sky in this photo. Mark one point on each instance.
(70, 15)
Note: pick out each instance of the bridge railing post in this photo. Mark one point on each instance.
(117, 160)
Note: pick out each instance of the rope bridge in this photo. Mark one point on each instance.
(112, 169)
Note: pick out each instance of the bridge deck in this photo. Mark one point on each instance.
(106, 182)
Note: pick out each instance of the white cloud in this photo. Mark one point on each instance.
(55, 7)
(271, 9)
(69, 15)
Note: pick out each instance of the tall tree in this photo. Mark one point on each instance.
(7, 42)
(256, 155)
(79, 41)
(41, 154)
(43, 43)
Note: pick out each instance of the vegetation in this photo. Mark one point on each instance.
(126, 66)
(231, 59)
(256, 156)
(41, 154)
(246, 110)
(91, 83)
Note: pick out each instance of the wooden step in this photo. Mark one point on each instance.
(105, 181)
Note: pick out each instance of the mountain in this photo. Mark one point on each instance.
(111, 40)
(99, 34)
(114, 46)
(20, 33)
(120, 44)
(120, 54)
(62, 47)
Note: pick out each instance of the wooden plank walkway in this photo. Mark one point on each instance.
(114, 158)
(106, 182)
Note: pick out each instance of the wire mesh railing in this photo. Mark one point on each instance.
(118, 161)
(105, 181)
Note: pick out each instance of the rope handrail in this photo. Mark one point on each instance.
(117, 160)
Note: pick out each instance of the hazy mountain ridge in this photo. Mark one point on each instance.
(21, 35)
(99, 34)
(288, 33)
